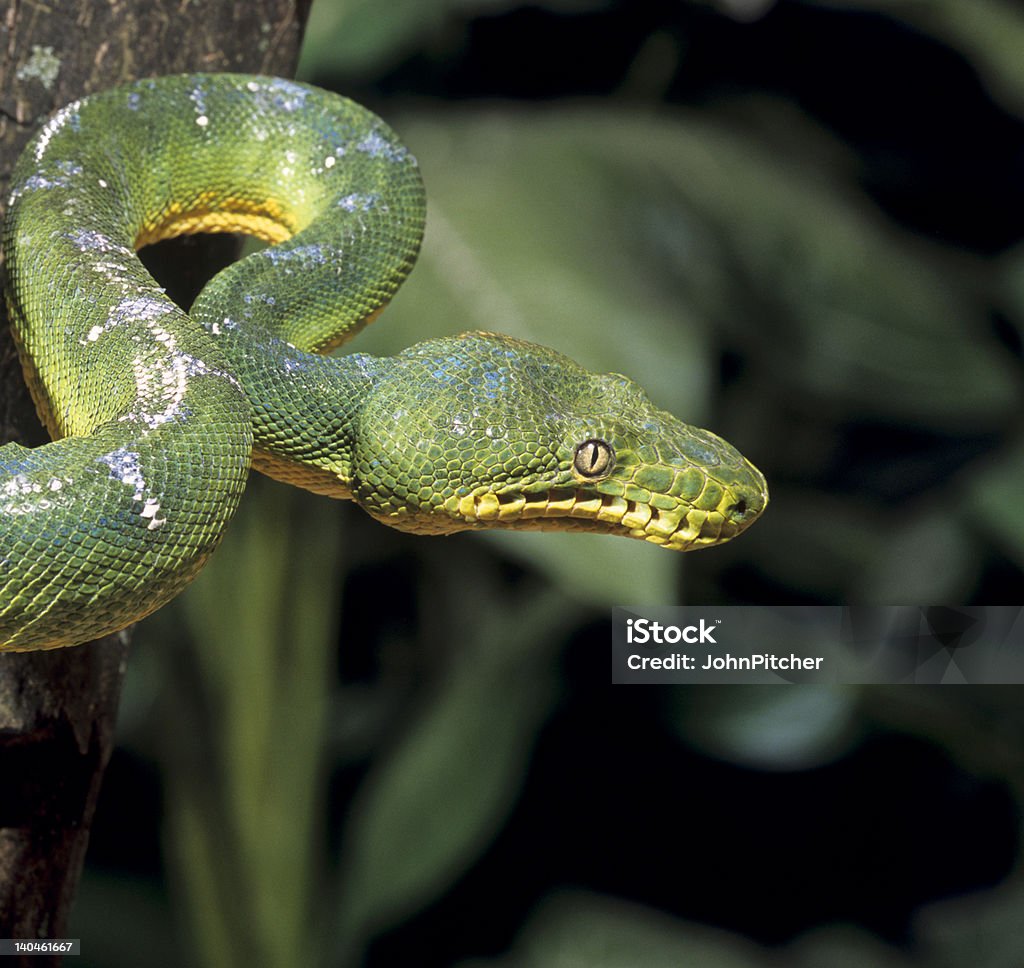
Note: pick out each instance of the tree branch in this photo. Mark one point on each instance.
(58, 709)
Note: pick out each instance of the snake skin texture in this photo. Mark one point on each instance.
(157, 415)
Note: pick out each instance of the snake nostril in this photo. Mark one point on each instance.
(739, 509)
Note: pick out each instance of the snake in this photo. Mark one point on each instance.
(157, 415)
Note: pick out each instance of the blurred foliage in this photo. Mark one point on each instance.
(379, 749)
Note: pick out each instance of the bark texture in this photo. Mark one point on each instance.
(58, 709)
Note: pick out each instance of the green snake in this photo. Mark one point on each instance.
(157, 415)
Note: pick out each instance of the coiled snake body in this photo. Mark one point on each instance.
(157, 414)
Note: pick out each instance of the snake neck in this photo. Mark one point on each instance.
(305, 416)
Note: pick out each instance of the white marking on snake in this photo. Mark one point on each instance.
(62, 117)
(124, 466)
(162, 378)
(20, 485)
(359, 201)
(149, 510)
(290, 96)
(91, 240)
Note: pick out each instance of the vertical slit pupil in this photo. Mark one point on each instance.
(593, 458)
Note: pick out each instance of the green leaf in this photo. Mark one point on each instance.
(929, 555)
(627, 240)
(427, 810)
(243, 796)
(770, 727)
(359, 35)
(845, 946)
(587, 569)
(983, 930)
(993, 497)
(573, 929)
(579, 930)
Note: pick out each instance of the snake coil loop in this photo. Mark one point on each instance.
(157, 415)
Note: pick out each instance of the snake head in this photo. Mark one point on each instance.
(483, 430)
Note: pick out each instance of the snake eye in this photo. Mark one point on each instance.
(594, 459)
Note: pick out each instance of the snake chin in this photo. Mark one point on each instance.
(681, 527)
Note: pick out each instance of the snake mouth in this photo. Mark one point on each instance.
(675, 525)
